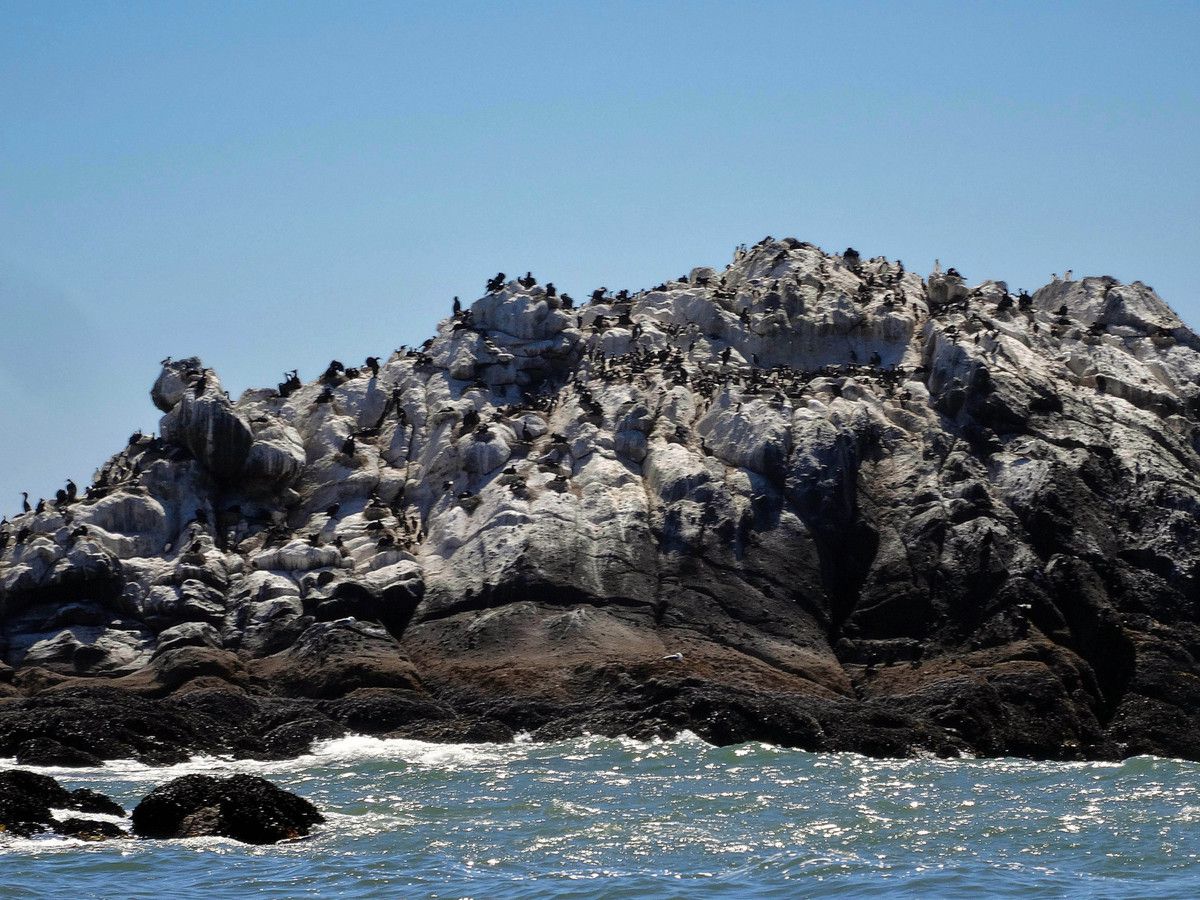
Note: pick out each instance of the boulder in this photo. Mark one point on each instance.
(242, 807)
(27, 800)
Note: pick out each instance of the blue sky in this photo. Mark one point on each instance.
(271, 186)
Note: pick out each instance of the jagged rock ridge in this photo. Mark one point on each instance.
(871, 511)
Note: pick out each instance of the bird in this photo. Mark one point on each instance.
(25, 501)
(673, 657)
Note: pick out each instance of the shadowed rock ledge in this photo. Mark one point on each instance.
(811, 499)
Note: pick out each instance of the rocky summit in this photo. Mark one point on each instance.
(811, 499)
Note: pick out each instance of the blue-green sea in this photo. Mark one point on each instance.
(597, 817)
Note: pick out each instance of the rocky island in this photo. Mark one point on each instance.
(811, 499)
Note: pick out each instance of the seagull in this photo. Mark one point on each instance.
(674, 657)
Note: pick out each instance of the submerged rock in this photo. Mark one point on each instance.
(812, 499)
(243, 807)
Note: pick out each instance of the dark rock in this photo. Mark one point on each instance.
(89, 830)
(27, 798)
(48, 752)
(380, 710)
(331, 659)
(243, 807)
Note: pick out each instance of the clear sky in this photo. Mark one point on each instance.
(271, 186)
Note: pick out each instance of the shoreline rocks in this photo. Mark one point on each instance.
(812, 499)
(245, 808)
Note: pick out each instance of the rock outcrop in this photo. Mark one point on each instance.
(243, 807)
(811, 499)
(28, 801)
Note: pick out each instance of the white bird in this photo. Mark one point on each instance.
(674, 657)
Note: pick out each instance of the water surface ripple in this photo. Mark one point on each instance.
(607, 818)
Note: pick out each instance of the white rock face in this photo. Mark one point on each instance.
(810, 461)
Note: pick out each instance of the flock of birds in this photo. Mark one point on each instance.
(675, 365)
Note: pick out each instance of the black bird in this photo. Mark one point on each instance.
(457, 306)
(332, 511)
(25, 502)
(373, 365)
(72, 491)
(41, 506)
(348, 446)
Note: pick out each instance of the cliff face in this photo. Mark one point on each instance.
(870, 511)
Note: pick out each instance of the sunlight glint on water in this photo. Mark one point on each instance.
(619, 818)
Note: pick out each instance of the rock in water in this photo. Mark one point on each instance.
(243, 807)
(27, 798)
(812, 499)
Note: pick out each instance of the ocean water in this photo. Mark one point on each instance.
(597, 817)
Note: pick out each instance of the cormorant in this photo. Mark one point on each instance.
(41, 506)
(72, 491)
(348, 446)
(373, 365)
(456, 306)
(25, 502)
